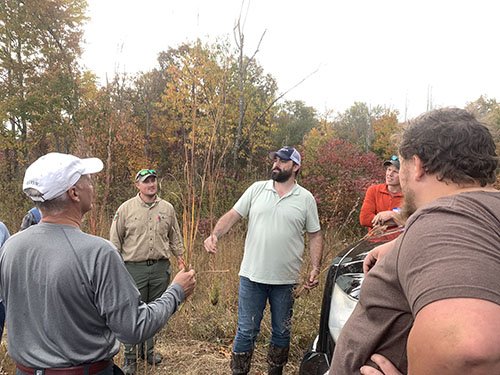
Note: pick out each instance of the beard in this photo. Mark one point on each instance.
(409, 205)
(279, 175)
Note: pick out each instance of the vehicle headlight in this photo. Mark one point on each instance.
(344, 298)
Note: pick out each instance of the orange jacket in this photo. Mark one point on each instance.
(378, 199)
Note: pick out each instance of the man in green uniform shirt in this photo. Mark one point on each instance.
(146, 232)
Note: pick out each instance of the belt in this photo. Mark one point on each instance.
(88, 369)
(149, 262)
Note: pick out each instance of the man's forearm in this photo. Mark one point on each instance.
(316, 248)
(225, 223)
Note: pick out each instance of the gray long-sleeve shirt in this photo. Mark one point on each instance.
(69, 298)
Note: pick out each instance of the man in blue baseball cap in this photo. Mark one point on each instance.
(287, 153)
(279, 211)
(382, 202)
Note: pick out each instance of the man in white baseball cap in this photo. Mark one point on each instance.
(53, 174)
(68, 294)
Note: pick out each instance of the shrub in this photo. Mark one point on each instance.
(338, 173)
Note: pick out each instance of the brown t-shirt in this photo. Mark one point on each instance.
(450, 249)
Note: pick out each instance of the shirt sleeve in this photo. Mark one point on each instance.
(242, 206)
(312, 218)
(369, 208)
(117, 229)
(176, 244)
(444, 255)
(119, 301)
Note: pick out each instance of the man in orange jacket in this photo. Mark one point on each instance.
(382, 201)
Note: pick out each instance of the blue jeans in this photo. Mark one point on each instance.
(252, 301)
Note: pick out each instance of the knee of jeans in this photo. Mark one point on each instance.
(248, 332)
(280, 335)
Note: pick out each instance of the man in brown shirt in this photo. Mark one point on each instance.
(431, 305)
(146, 233)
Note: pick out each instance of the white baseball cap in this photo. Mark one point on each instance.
(54, 173)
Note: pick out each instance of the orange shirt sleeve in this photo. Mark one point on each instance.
(369, 207)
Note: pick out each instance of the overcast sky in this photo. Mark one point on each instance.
(383, 52)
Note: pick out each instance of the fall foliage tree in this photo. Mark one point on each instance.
(384, 128)
(338, 173)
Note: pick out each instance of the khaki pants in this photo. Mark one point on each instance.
(152, 279)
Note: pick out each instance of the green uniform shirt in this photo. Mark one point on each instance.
(142, 232)
(274, 245)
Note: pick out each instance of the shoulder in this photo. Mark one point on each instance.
(98, 246)
(128, 203)
(377, 188)
(165, 204)
(258, 186)
(261, 185)
(303, 193)
(90, 238)
(473, 206)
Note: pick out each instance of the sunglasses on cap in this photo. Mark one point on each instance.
(145, 172)
(394, 158)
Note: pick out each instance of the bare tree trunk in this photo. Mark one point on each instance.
(242, 73)
(241, 100)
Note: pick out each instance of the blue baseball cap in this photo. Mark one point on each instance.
(394, 160)
(287, 153)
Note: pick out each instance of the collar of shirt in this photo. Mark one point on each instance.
(148, 205)
(295, 190)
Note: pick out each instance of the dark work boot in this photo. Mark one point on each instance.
(240, 362)
(129, 366)
(154, 358)
(277, 359)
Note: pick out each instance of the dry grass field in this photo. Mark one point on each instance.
(197, 340)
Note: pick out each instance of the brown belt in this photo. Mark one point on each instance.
(92, 368)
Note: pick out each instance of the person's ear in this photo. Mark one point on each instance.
(418, 166)
(73, 193)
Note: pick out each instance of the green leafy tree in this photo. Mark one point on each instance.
(39, 79)
(293, 121)
(355, 125)
(384, 128)
(39, 47)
